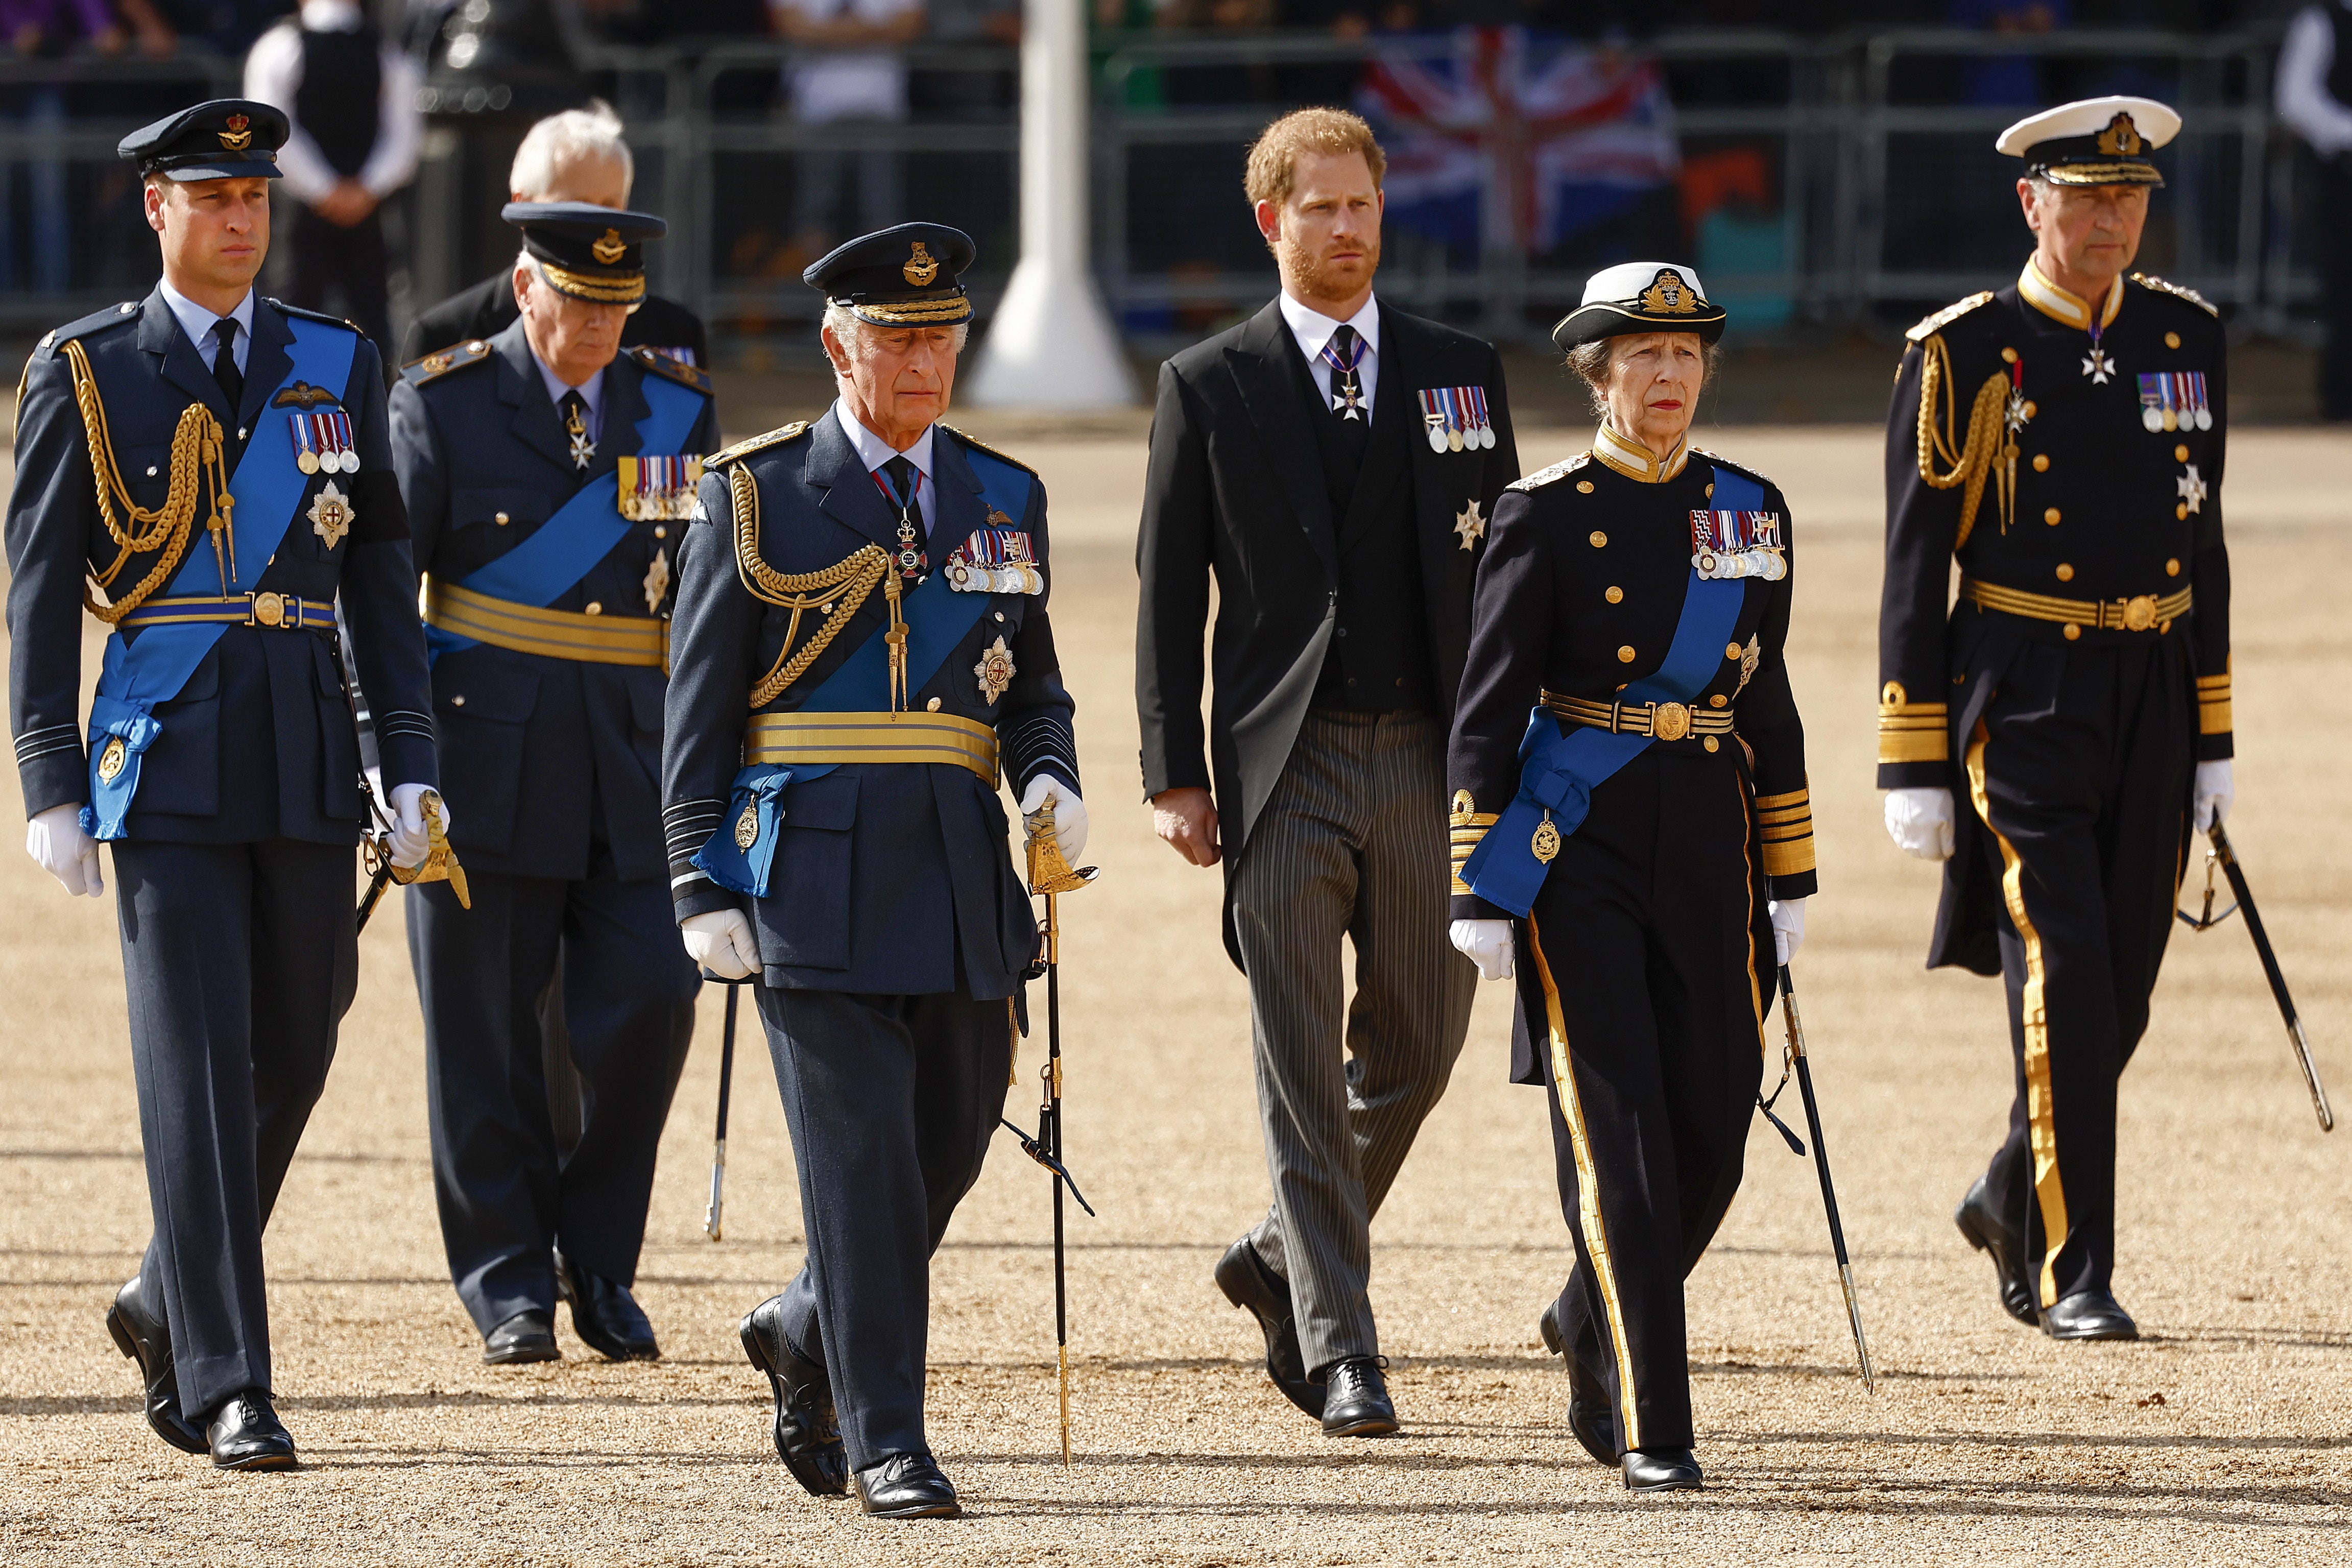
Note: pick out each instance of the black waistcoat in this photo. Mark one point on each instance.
(342, 78)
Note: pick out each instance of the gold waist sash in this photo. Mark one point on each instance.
(2142, 612)
(836, 738)
(1659, 721)
(550, 633)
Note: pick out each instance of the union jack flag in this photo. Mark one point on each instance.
(1554, 137)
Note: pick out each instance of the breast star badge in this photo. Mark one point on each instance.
(2098, 366)
(1469, 523)
(330, 515)
(995, 670)
(2192, 489)
(656, 581)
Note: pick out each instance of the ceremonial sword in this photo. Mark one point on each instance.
(1796, 1058)
(714, 1217)
(2227, 858)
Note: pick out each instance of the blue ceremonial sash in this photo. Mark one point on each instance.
(582, 531)
(139, 675)
(1557, 773)
(938, 620)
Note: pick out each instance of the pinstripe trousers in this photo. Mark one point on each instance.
(1351, 843)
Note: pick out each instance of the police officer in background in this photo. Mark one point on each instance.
(2053, 734)
(214, 470)
(860, 651)
(548, 474)
(575, 156)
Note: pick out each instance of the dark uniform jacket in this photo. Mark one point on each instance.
(2109, 507)
(259, 743)
(1234, 488)
(489, 309)
(1580, 594)
(532, 745)
(888, 878)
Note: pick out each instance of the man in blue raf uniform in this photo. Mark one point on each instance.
(210, 472)
(548, 475)
(860, 652)
(2064, 440)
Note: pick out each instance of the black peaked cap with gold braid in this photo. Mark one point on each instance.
(906, 276)
(588, 252)
(226, 138)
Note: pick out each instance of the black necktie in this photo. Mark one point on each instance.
(224, 371)
(574, 410)
(905, 485)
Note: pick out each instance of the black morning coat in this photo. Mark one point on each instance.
(260, 742)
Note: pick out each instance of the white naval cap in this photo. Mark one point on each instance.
(1640, 297)
(2093, 141)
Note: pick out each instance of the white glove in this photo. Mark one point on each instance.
(721, 942)
(410, 842)
(55, 840)
(1919, 820)
(1788, 917)
(1069, 813)
(1486, 943)
(2214, 793)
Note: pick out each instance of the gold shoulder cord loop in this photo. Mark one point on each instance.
(1972, 461)
(836, 592)
(195, 445)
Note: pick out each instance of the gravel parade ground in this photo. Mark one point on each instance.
(2223, 1437)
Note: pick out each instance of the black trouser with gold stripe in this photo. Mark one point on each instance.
(1644, 976)
(2081, 764)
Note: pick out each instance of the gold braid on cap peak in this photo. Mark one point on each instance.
(1970, 460)
(835, 592)
(628, 290)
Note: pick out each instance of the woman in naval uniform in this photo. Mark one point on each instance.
(1643, 863)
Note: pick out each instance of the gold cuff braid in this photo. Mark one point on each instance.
(1909, 731)
(1785, 821)
(2213, 717)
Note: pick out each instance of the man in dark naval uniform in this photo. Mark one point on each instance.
(211, 473)
(548, 474)
(860, 654)
(2064, 439)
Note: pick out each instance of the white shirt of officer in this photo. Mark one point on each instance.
(874, 452)
(592, 393)
(1313, 330)
(198, 323)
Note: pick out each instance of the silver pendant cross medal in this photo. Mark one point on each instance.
(1343, 353)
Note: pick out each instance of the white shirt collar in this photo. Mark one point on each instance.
(1313, 328)
(592, 391)
(874, 452)
(331, 17)
(197, 322)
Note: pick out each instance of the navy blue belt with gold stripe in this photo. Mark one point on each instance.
(283, 611)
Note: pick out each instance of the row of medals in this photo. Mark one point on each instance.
(344, 462)
(1444, 438)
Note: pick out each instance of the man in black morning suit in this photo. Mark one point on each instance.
(548, 475)
(1332, 463)
(221, 761)
(835, 831)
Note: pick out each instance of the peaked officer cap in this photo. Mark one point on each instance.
(226, 138)
(2093, 141)
(1640, 297)
(906, 276)
(588, 252)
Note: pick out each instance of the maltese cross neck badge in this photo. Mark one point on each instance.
(2097, 366)
(1469, 523)
(330, 515)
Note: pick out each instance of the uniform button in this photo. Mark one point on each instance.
(932, 706)
(1000, 617)
(1598, 539)
(2180, 511)
(1400, 680)
(1343, 630)
(458, 702)
(2172, 568)
(1711, 491)
(1718, 700)
(2180, 455)
(2009, 356)
(240, 433)
(2031, 408)
(2065, 572)
(2050, 516)
(1712, 744)
(1731, 650)
(1615, 596)
(2071, 630)
(661, 532)
(595, 607)
(151, 470)
(1584, 486)
(2172, 339)
(2042, 463)
(501, 519)
(1625, 655)
(1352, 680)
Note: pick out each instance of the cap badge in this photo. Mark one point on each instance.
(610, 249)
(2121, 138)
(236, 138)
(1669, 295)
(920, 269)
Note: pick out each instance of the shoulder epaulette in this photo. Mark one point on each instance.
(441, 362)
(1928, 326)
(2148, 280)
(95, 321)
(285, 309)
(678, 370)
(776, 437)
(984, 446)
(1559, 470)
(1735, 466)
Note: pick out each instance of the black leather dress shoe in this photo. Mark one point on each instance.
(808, 1436)
(1982, 1223)
(1661, 1470)
(245, 1434)
(1250, 1285)
(605, 1314)
(1355, 1399)
(906, 1485)
(527, 1337)
(2088, 1314)
(1587, 1401)
(142, 1339)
